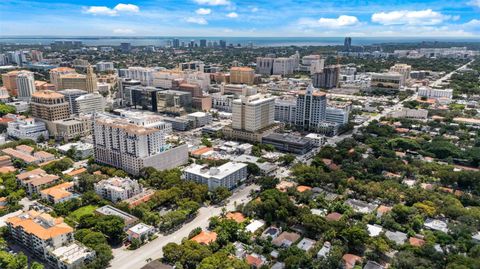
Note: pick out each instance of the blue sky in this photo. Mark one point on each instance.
(282, 18)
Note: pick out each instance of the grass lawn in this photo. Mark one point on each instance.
(86, 210)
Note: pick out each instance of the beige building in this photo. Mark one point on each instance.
(253, 113)
(49, 106)
(91, 80)
(242, 75)
(10, 82)
(72, 81)
(56, 73)
(68, 129)
(403, 69)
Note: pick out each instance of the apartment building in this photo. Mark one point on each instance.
(117, 189)
(228, 175)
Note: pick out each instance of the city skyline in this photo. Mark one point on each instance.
(289, 18)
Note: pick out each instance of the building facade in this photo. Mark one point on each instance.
(228, 175)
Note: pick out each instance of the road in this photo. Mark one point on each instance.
(439, 81)
(133, 259)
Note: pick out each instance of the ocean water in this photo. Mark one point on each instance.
(256, 41)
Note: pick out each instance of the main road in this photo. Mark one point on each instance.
(135, 259)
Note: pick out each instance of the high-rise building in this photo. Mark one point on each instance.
(336, 115)
(9, 81)
(124, 92)
(49, 106)
(104, 66)
(327, 79)
(311, 108)
(223, 44)
(89, 104)
(56, 73)
(347, 44)
(91, 80)
(203, 43)
(286, 110)
(70, 96)
(25, 85)
(36, 55)
(284, 66)
(125, 47)
(265, 65)
(131, 147)
(72, 81)
(242, 75)
(253, 113)
(403, 69)
(176, 43)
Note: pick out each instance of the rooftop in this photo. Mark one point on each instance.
(205, 237)
(72, 253)
(42, 225)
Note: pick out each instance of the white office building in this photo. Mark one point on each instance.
(286, 110)
(89, 104)
(311, 109)
(228, 175)
(117, 189)
(27, 128)
(336, 115)
(104, 66)
(25, 85)
(70, 96)
(435, 93)
(143, 74)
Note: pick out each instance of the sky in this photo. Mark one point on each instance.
(242, 18)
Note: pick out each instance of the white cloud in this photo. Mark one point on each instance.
(197, 20)
(475, 3)
(341, 21)
(254, 9)
(213, 2)
(203, 11)
(232, 15)
(473, 23)
(127, 8)
(411, 17)
(100, 10)
(120, 8)
(123, 31)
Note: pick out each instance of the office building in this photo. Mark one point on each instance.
(176, 43)
(237, 90)
(327, 78)
(284, 66)
(27, 128)
(403, 69)
(72, 128)
(125, 47)
(25, 85)
(312, 63)
(228, 175)
(144, 97)
(49, 106)
(387, 81)
(56, 73)
(288, 143)
(242, 75)
(203, 43)
(70, 96)
(253, 113)
(131, 147)
(223, 44)
(200, 119)
(222, 102)
(418, 114)
(286, 110)
(117, 189)
(265, 65)
(347, 44)
(435, 93)
(336, 115)
(72, 81)
(143, 74)
(89, 104)
(173, 101)
(311, 108)
(123, 90)
(9, 81)
(104, 66)
(36, 55)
